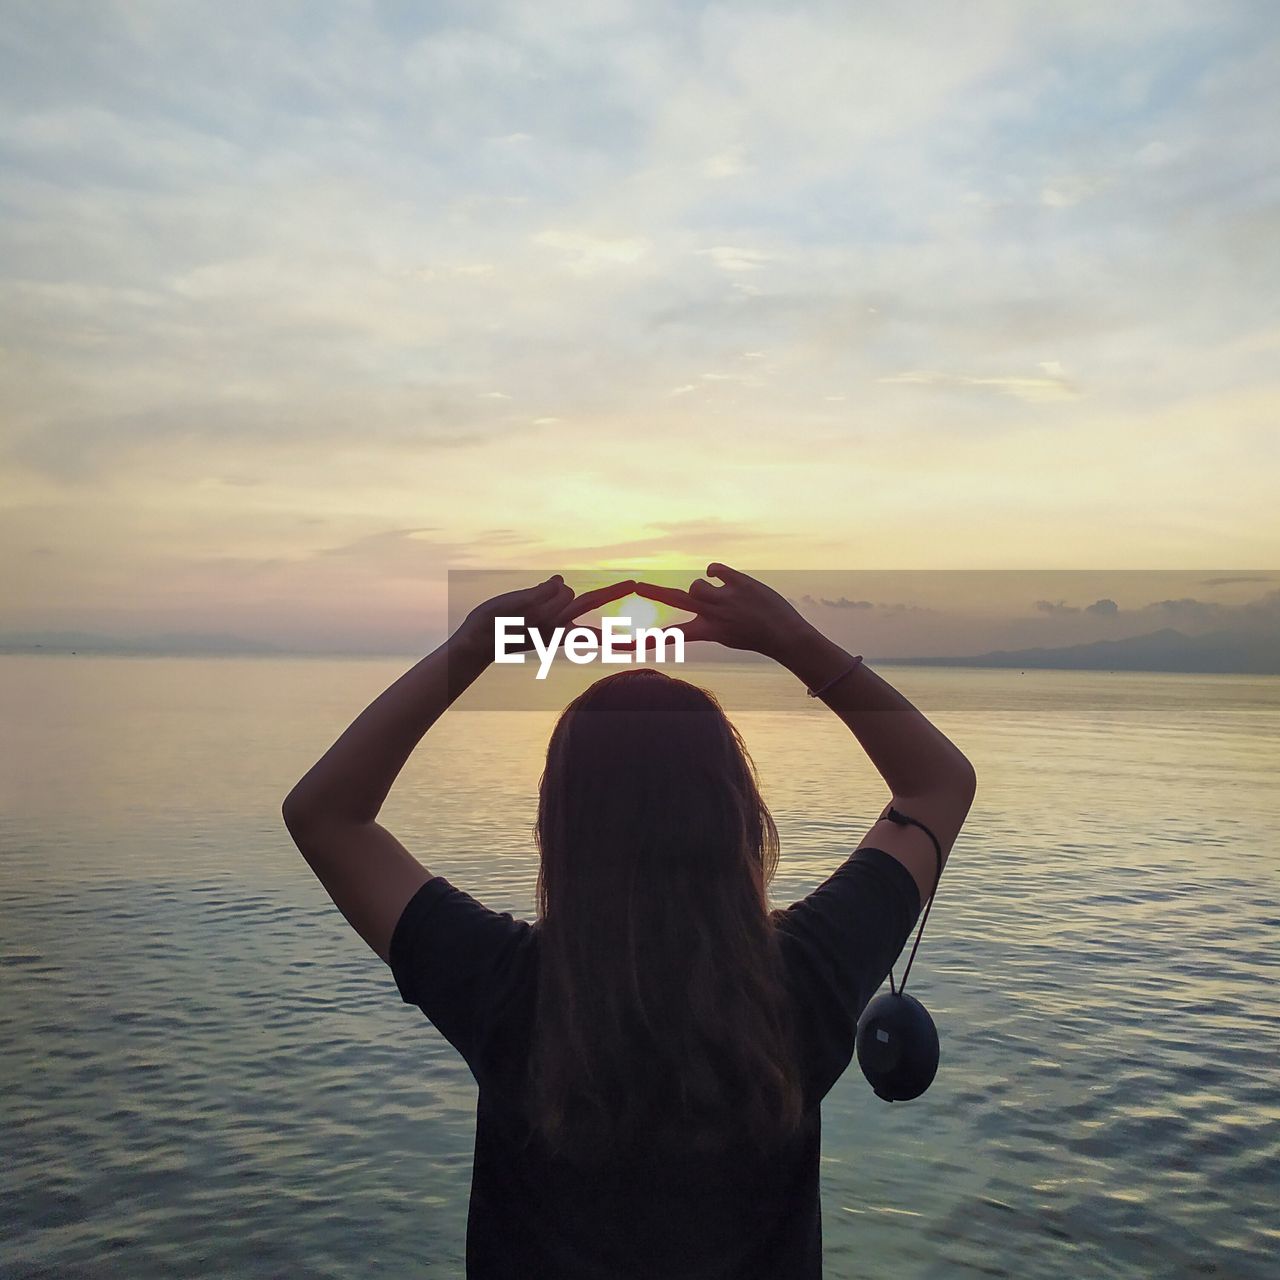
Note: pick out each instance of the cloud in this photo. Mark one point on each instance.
(730, 259)
(671, 539)
(1188, 611)
(727, 164)
(422, 551)
(294, 263)
(77, 446)
(1070, 189)
(1033, 390)
(1182, 611)
(1223, 582)
(841, 602)
(586, 254)
(1265, 611)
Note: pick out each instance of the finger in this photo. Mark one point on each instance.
(703, 591)
(698, 629)
(602, 595)
(558, 611)
(724, 573)
(667, 595)
(535, 595)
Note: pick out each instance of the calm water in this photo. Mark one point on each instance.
(205, 1072)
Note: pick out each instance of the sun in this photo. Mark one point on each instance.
(636, 611)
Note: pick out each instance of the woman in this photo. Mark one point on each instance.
(653, 1051)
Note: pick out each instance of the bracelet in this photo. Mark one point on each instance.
(817, 693)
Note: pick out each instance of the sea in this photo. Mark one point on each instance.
(205, 1072)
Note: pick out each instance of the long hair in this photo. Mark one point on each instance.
(662, 1021)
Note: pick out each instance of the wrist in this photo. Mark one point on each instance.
(472, 645)
(813, 659)
(792, 640)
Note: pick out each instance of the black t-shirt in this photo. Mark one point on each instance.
(472, 971)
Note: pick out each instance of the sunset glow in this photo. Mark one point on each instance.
(301, 311)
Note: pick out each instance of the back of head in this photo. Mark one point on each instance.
(662, 1019)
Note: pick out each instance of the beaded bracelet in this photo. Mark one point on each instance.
(817, 693)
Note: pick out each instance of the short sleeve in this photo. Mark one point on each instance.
(454, 958)
(842, 940)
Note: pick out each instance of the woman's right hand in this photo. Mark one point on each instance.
(742, 614)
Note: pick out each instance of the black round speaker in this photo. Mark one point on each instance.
(897, 1046)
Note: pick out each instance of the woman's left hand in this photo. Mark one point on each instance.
(549, 605)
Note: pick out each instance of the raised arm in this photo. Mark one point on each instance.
(331, 813)
(928, 776)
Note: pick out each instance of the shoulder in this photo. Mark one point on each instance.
(450, 943)
(441, 906)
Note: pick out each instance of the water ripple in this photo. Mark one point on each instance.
(207, 1073)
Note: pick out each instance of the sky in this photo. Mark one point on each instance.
(303, 306)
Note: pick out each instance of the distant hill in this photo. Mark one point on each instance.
(1224, 652)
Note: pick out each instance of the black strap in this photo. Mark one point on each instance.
(902, 820)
